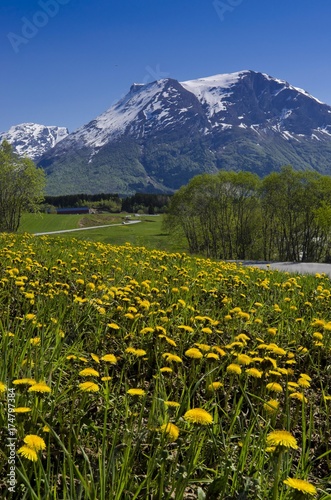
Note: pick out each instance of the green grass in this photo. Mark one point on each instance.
(148, 233)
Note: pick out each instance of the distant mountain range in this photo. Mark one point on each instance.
(33, 140)
(161, 134)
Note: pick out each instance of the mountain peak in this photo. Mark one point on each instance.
(32, 139)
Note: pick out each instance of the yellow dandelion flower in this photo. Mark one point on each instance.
(243, 359)
(30, 316)
(254, 372)
(129, 315)
(299, 396)
(301, 485)
(136, 352)
(171, 430)
(292, 385)
(147, 329)
(242, 337)
(282, 438)
(198, 416)
(34, 442)
(214, 386)
(22, 409)
(233, 368)
(71, 356)
(207, 330)
(272, 331)
(219, 351)
(305, 376)
(46, 428)
(23, 381)
(89, 372)
(95, 358)
(282, 371)
(28, 453)
(113, 326)
(110, 358)
(105, 379)
(194, 353)
(276, 350)
(302, 382)
(203, 347)
(267, 360)
(35, 341)
(166, 369)
(186, 328)
(136, 392)
(275, 373)
(172, 357)
(212, 355)
(3, 387)
(173, 404)
(170, 341)
(318, 322)
(39, 387)
(274, 387)
(89, 387)
(271, 406)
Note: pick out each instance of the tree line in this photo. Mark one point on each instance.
(139, 202)
(238, 216)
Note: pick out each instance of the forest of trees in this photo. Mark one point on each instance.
(238, 216)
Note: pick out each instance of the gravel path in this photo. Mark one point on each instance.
(292, 267)
(86, 228)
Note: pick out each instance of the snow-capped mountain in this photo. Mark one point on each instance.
(163, 133)
(33, 140)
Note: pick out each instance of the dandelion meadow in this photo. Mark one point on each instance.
(140, 374)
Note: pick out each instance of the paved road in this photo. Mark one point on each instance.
(293, 267)
(86, 228)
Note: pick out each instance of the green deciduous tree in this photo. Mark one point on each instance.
(21, 187)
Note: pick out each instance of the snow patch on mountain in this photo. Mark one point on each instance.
(212, 91)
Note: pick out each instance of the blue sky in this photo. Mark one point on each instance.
(64, 62)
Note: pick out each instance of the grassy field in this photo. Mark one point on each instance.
(148, 233)
(130, 373)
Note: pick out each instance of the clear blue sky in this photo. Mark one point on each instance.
(67, 66)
